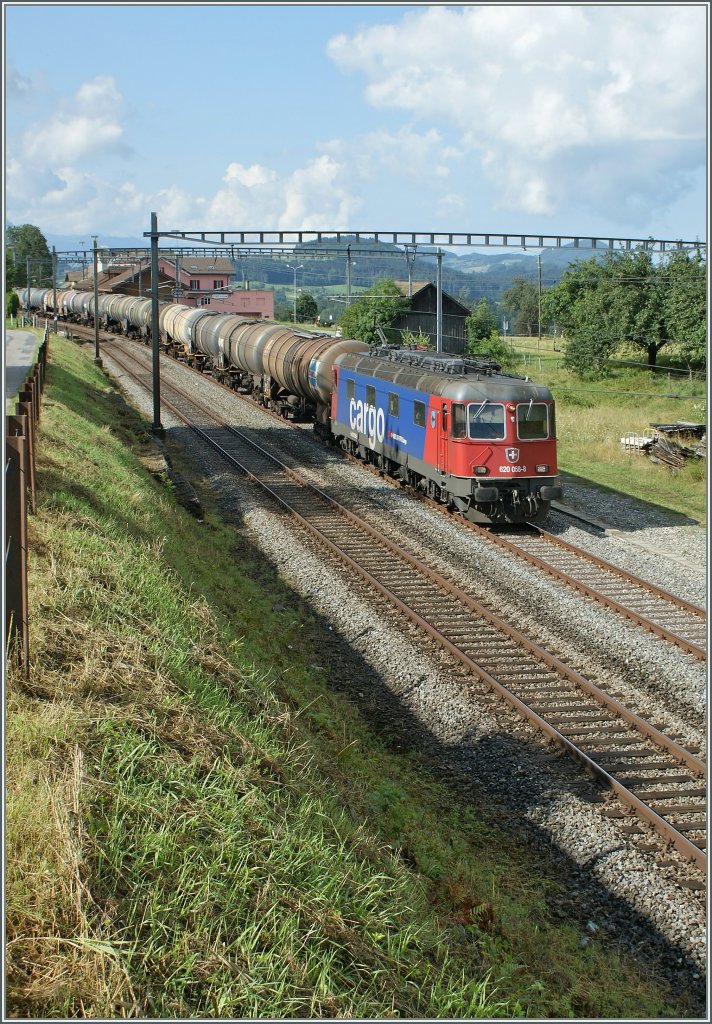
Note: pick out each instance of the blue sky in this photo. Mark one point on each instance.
(546, 119)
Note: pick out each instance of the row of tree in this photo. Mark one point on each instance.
(627, 302)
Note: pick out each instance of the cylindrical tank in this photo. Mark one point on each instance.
(112, 306)
(248, 344)
(65, 301)
(185, 323)
(322, 364)
(206, 336)
(140, 313)
(80, 305)
(167, 322)
(36, 297)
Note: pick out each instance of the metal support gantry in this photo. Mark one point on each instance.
(232, 239)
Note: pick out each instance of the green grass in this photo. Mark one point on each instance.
(197, 826)
(592, 417)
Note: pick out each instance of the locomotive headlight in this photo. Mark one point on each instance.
(480, 470)
(542, 468)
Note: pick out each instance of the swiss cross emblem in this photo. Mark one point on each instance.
(512, 454)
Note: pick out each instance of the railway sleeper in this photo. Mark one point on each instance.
(689, 826)
(610, 733)
(671, 794)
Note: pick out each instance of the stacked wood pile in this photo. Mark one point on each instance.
(662, 450)
(670, 453)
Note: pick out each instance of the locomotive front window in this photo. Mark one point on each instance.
(459, 421)
(486, 420)
(350, 388)
(393, 404)
(532, 421)
(370, 395)
(419, 414)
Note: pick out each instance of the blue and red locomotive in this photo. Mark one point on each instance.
(468, 435)
(479, 440)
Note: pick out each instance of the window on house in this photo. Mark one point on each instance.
(194, 284)
(217, 284)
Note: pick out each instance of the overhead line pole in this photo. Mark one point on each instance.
(157, 428)
(439, 304)
(97, 358)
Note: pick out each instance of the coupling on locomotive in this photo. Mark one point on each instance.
(479, 440)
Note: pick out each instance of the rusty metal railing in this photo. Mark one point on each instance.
(20, 433)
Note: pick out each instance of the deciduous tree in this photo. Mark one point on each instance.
(307, 308)
(379, 305)
(481, 322)
(630, 300)
(21, 241)
(522, 299)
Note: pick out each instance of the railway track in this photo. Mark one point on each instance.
(667, 616)
(658, 781)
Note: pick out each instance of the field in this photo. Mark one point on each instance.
(592, 417)
(198, 826)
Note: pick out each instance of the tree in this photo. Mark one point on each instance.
(379, 305)
(522, 300)
(481, 322)
(685, 305)
(307, 308)
(22, 241)
(12, 303)
(628, 299)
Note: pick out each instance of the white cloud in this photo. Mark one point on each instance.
(87, 125)
(405, 153)
(311, 197)
(541, 95)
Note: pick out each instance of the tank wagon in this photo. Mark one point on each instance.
(481, 441)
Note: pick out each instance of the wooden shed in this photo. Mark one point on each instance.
(421, 318)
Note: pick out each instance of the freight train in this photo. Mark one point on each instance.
(481, 441)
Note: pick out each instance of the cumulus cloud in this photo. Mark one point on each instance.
(89, 124)
(604, 105)
(311, 197)
(406, 152)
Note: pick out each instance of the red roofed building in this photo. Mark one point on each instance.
(198, 281)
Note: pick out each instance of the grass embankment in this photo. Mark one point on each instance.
(197, 826)
(592, 417)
